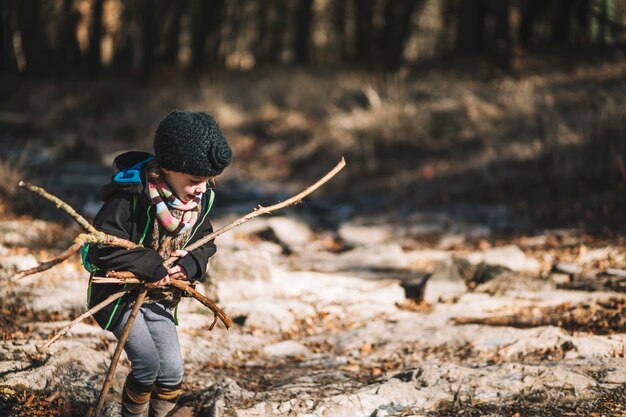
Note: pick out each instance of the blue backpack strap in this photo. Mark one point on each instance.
(131, 174)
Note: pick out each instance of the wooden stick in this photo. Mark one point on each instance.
(129, 278)
(118, 351)
(262, 210)
(60, 204)
(49, 264)
(98, 238)
(83, 316)
(182, 285)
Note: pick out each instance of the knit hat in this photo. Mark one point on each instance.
(192, 143)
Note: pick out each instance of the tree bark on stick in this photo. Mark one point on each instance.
(118, 351)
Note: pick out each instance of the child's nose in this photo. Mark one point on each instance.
(201, 188)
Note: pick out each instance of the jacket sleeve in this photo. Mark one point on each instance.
(116, 218)
(195, 262)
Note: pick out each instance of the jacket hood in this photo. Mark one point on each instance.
(128, 175)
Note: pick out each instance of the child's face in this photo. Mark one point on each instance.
(186, 186)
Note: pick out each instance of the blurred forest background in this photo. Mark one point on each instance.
(432, 102)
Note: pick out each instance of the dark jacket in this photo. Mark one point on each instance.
(128, 213)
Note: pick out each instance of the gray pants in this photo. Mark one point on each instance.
(152, 346)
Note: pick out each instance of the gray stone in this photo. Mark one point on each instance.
(427, 255)
(510, 256)
(289, 231)
(362, 235)
(269, 316)
(568, 268)
(285, 349)
(246, 265)
(507, 283)
(362, 258)
(594, 255)
(449, 241)
(18, 262)
(445, 284)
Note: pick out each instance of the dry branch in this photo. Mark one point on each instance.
(92, 235)
(118, 351)
(60, 204)
(130, 278)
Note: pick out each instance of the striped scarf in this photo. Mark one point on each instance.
(164, 199)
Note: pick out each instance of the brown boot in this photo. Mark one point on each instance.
(163, 399)
(135, 397)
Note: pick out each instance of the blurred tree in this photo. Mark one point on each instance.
(530, 9)
(364, 32)
(172, 39)
(37, 52)
(68, 51)
(205, 21)
(302, 33)
(470, 27)
(339, 23)
(7, 57)
(94, 55)
(502, 33)
(149, 36)
(397, 26)
(561, 16)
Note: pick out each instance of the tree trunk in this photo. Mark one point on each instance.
(206, 22)
(7, 59)
(339, 24)
(301, 39)
(470, 27)
(69, 52)
(172, 43)
(278, 32)
(36, 49)
(364, 31)
(149, 36)
(502, 33)
(530, 9)
(561, 21)
(395, 32)
(95, 36)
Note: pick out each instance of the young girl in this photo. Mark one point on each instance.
(161, 202)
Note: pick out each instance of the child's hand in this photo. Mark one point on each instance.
(177, 272)
(163, 282)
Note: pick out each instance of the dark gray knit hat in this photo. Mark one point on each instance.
(191, 142)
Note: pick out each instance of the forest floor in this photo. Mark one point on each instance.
(467, 260)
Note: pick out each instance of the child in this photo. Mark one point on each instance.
(160, 202)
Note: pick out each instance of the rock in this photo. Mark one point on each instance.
(290, 232)
(362, 235)
(559, 279)
(18, 262)
(567, 268)
(561, 377)
(512, 283)
(243, 265)
(449, 241)
(427, 255)
(285, 349)
(62, 297)
(509, 256)
(362, 258)
(445, 284)
(269, 316)
(594, 255)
